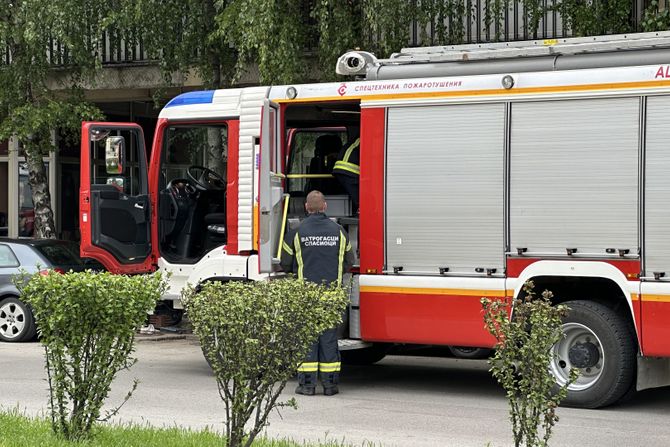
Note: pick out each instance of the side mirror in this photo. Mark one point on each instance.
(115, 154)
(117, 182)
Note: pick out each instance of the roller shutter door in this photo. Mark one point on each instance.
(574, 175)
(444, 203)
(657, 187)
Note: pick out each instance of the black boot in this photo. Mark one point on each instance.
(330, 390)
(305, 390)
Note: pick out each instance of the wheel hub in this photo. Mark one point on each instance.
(579, 348)
(12, 321)
(584, 355)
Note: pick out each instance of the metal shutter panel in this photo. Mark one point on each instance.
(657, 187)
(444, 203)
(574, 175)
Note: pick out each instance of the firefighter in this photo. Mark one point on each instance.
(318, 251)
(347, 170)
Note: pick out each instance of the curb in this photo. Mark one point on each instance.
(162, 337)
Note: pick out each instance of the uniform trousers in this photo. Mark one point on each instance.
(324, 359)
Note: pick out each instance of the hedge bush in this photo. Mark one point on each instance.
(87, 323)
(254, 335)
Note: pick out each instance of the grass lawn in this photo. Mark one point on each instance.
(17, 430)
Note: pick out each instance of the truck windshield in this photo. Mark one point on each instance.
(195, 145)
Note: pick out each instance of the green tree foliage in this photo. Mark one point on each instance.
(254, 335)
(447, 19)
(87, 324)
(31, 108)
(656, 18)
(597, 17)
(182, 35)
(275, 34)
(378, 26)
(271, 33)
(524, 344)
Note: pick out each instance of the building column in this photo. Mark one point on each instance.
(54, 183)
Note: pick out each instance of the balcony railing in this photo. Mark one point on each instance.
(475, 25)
(478, 24)
(111, 49)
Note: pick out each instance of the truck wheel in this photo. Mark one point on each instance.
(16, 321)
(364, 356)
(599, 343)
(465, 352)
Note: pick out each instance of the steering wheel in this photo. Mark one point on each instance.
(180, 187)
(179, 190)
(205, 179)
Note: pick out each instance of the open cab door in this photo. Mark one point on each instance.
(114, 204)
(271, 190)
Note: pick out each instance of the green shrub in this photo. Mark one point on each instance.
(87, 324)
(254, 335)
(521, 362)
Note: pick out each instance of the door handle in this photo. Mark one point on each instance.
(139, 206)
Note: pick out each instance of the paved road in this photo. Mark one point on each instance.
(401, 401)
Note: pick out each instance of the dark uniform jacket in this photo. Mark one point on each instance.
(348, 160)
(318, 250)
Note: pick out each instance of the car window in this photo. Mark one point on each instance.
(60, 254)
(7, 258)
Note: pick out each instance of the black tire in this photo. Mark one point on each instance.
(599, 342)
(465, 352)
(176, 315)
(17, 323)
(364, 356)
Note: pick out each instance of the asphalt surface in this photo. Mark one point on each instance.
(404, 400)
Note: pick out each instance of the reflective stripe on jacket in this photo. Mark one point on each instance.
(348, 160)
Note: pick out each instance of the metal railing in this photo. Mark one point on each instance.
(475, 25)
(116, 49)
(113, 48)
(513, 23)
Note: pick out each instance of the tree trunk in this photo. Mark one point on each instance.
(213, 50)
(37, 179)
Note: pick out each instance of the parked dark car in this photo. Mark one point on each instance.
(31, 255)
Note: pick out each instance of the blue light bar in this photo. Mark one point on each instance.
(190, 98)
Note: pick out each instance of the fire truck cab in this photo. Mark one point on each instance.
(481, 167)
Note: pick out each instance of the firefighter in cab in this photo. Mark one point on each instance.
(347, 170)
(318, 251)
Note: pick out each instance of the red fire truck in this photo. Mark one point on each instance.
(481, 167)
